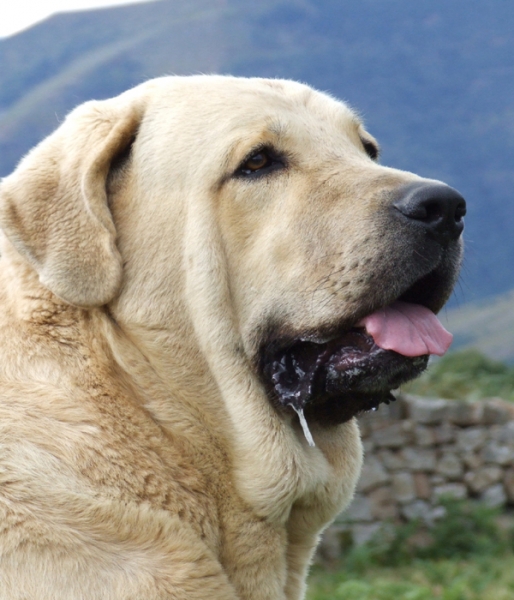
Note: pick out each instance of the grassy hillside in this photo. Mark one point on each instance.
(433, 80)
(465, 374)
(487, 325)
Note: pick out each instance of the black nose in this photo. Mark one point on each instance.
(436, 207)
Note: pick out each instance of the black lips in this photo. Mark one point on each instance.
(334, 381)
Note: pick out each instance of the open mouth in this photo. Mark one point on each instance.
(356, 370)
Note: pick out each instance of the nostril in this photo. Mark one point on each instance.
(460, 212)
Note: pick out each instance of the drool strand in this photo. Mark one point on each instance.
(305, 426)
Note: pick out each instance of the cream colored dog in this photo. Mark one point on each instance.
(185, 268)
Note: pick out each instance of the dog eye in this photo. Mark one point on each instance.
(256, 162)
(260, 162)
(371, 149)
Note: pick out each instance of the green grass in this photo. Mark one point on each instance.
(480, 578)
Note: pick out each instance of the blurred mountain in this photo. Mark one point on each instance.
(434, 82)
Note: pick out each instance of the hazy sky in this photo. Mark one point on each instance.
(16, 15)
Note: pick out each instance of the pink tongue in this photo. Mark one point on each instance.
(409, 329)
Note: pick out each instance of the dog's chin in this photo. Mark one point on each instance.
(334, 381)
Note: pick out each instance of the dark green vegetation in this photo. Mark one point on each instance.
(467, 374)
(433, 80)
(467, 555)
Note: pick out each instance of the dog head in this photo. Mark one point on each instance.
(254, 213)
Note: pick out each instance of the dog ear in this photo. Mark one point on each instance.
(54, 208)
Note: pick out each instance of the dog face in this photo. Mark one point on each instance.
(316, 239)
(313, 235)
(253, 212)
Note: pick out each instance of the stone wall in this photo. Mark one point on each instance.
(419, 449)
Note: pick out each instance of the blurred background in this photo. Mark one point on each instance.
(433, 81)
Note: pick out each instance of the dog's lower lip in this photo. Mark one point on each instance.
(349, 369)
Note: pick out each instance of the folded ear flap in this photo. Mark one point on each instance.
(54, 209)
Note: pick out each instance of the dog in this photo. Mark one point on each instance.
(203, 281)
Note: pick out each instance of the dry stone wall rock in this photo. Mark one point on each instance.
(418, 450)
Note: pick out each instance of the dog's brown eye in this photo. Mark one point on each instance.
(259, 163)
(256, 162)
